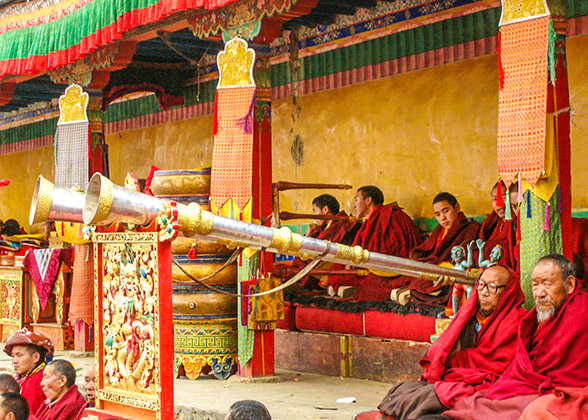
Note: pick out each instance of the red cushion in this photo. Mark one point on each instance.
(289, 321)
(402, 327)
(309, 318)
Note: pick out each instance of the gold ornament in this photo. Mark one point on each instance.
(72, 105)
(235, 64)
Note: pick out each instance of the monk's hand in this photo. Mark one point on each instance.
(441, 281)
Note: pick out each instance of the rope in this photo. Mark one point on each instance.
(233, 257)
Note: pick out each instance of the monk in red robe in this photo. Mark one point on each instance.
(387, 230)
(496, 230)
(29, 350)
(64, 401)
(340, 229)
(552, 347)
(469, 356)
(454, 229)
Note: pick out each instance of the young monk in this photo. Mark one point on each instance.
(454, 229)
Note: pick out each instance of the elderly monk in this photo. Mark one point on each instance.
(341, 229)
(469, 356)
(552, 347)
(496, 230)
(387, 230)
(29, 351)
(64, 401)
(454, 229)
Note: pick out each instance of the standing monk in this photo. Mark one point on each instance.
(29, 352)
(454, 229)
(387, 230)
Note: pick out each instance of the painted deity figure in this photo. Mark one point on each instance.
(494, 257)
(458, 256)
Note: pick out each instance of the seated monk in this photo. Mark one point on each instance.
(496, 230)
(387, 230)
(469, 356)
(454, 229)
(552, 347)
(341, 229)
(64, 401)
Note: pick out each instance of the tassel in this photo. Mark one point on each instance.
(246, 122)
(499, 199)
(500, 68)
(520, 194)
(529, 215)
(546, 227)
(507, 211)
(89, 144)
(519, 230)
(215, 117)
(90, 335)
(559, 203)
(551, 37)
(87, 253)
(55, 148)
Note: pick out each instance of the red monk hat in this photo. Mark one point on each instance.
(25, 337)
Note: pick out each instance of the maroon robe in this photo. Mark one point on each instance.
(462, 373)
(388, 230)
(341, 230)
(556, 355)
(68, 407)
(497, 231)
(580, 240)
(435, 251)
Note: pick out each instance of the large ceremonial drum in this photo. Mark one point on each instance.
(183, 186)
(205, 321)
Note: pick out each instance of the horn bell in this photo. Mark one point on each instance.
(57, 204)
(107, 203)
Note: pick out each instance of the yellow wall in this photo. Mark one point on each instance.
(413, 135)
(22, 169)
(577, 53)
(177, 145)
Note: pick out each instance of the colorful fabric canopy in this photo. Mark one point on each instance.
(54, 33)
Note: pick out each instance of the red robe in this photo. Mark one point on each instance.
(31, 390)
(554, 356)
(435, 251)
(457, 375)
(388, 230)
(497, 231)
(68, 407)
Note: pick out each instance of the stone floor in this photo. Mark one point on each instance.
(288, 396)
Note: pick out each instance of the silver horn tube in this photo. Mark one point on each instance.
(58, 204)
(107, 203)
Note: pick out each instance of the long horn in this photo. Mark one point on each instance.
(105, 200)
(59, 204)
(107, 203)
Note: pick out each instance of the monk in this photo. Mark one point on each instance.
(387, 230)
(64, 401)
(29, 351)
(496, 230)
(469, 356)
(454, 229)
(341, 229)
(552, 347)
